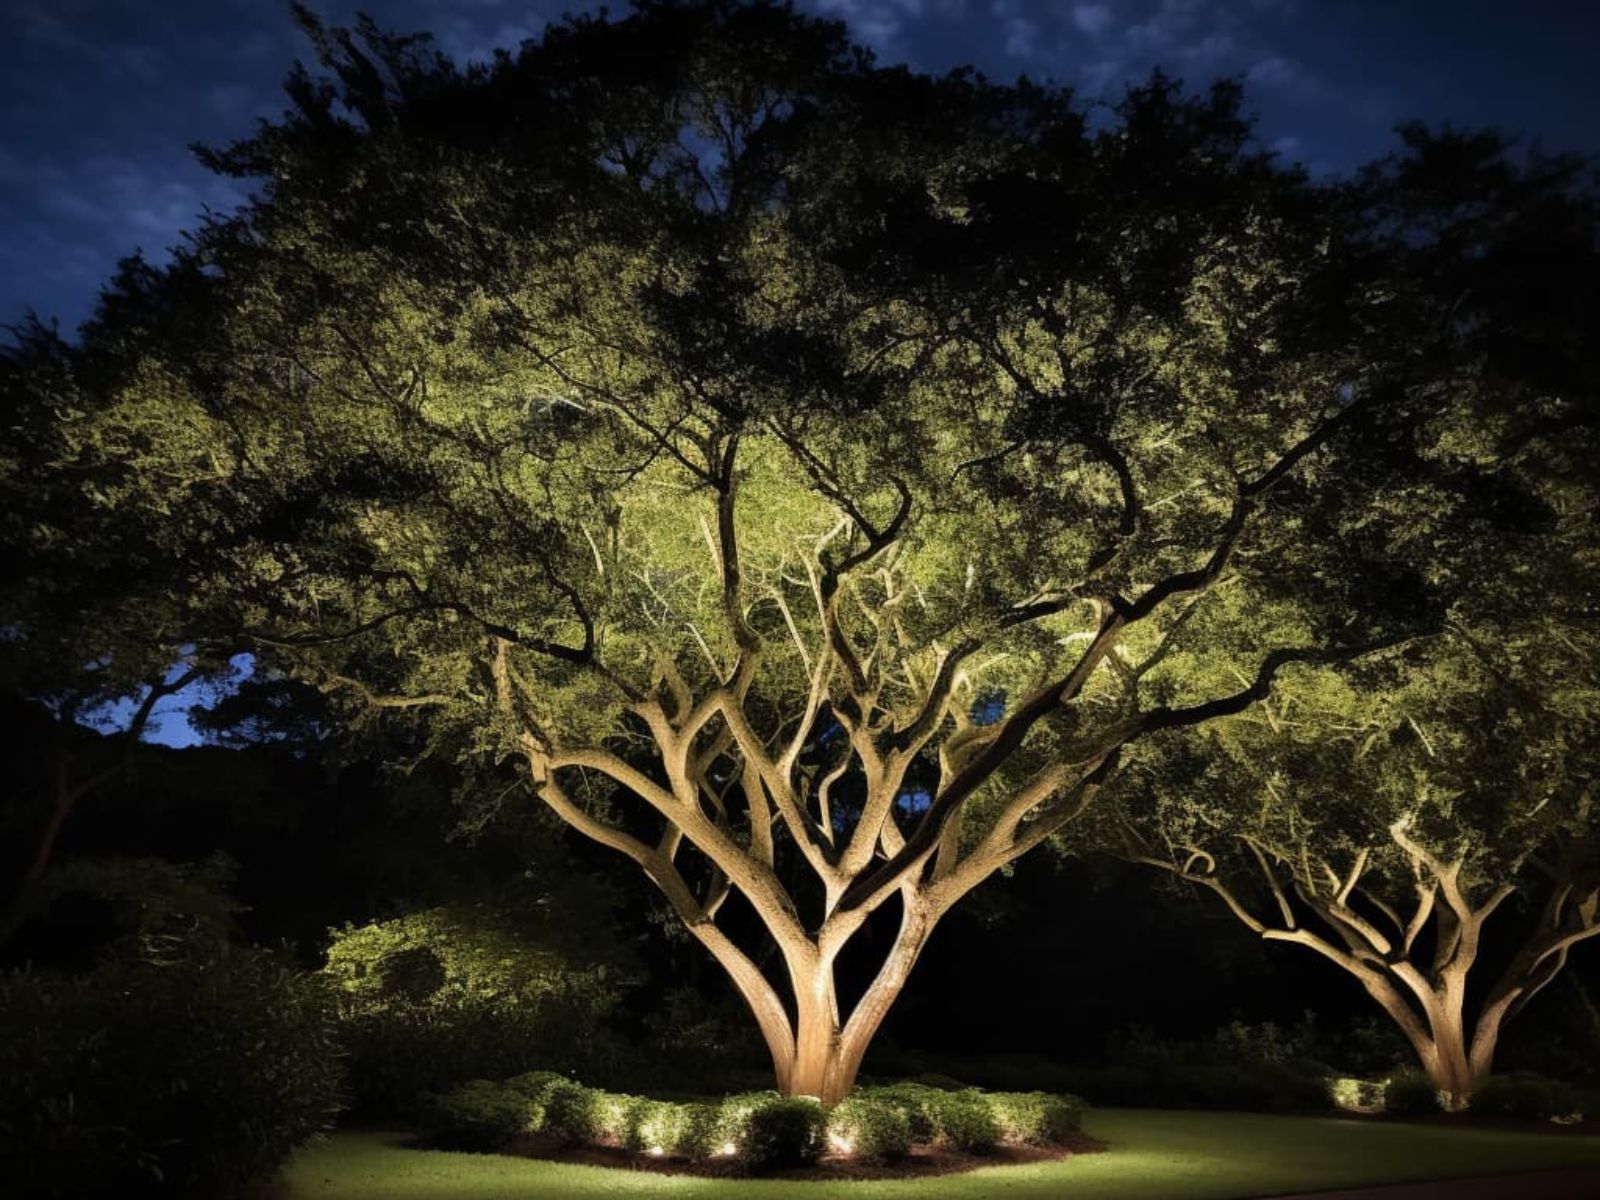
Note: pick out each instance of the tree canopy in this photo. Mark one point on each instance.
(813, 475)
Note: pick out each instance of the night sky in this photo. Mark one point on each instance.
(99, 99)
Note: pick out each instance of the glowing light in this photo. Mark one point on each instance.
(656, 1151)
(840, 1143)
(729, 1149)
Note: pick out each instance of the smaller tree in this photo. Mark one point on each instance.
(66, 660)
(1382, 819)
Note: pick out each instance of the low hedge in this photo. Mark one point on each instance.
(1523, 1094)
(1036, 1118)
(1410, 1094)
(477, 1115)
(967, 1123)
(973, 1121)
(869, 1128)
(918, 1102)
(572, 1112)
(761, 1130)
(783, 1132)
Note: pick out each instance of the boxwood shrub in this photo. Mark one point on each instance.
(1524, 1095)
(1410, 1093)
(869, 1128)
(572, 1112)
(536, 1085)
(1036, 1118)
(477, 1115)
(785, 1131)
(967, 1122)
(762, 1130)
(657, 1127)
(918, 1103)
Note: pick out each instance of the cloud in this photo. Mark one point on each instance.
(1092, 18)
(467, 41)
(1021, 37)
(1287, 76)
(1197, 38)
(878, 23)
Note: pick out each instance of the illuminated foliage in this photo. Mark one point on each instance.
(739, 437)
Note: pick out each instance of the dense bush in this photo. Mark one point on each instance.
(1410, 1093)
(1036, 1118)
(869, 1128)
(1242, 1067)
(1525, 1095)
(916, 1102)
(193, 1072)
(702, 1135)
(613, 1115)
(962, 1120)
(536, 1085)
(477, 1115)
(966, 1122)
(657, 1127)
(760, 1129)
(785, 1131)
(1356, 1095)
(572, 1112)
(436, 997)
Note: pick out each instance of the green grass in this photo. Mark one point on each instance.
(1154, 1156)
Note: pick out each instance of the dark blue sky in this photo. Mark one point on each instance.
(100, 98)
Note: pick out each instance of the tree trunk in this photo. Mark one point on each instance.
(824, 1066)
(1445, 1061)
(828, 1051)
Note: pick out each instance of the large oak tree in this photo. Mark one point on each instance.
(801, 474)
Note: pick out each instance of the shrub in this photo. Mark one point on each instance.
(613, 1116)
(1410, 1093)
(1523, 1094)
(190, 1075)
(916, 1101)
(966, 1122)
(1036, 1118)
(785, 1131)
(1356, 1095)
(477, 1115)
(733, 1116)
(869, 1128)
(658, 1127)
(572, 1112)
(701, 1135)
(536, 1085)
(942, 1083)
(436, 997)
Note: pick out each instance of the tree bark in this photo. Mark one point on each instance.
(1427, 1001)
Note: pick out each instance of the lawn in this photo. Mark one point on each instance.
(1154, 1155)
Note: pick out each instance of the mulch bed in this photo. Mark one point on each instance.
(922, 1161)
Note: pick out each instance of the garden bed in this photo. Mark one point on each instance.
(899, 1130)
(921, 1162)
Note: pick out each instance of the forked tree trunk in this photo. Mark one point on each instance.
(822, 1065)
(1427, 1000)
(829, 1047)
